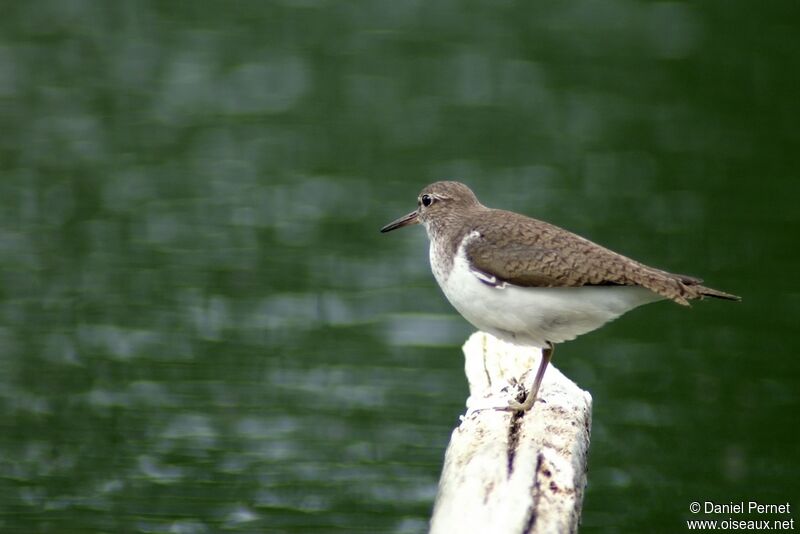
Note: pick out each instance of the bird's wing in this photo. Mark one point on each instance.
(532, 253)
(525, 252)
(538, 266)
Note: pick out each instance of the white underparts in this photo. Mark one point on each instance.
(531, 315)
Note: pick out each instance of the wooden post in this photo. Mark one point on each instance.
(510, 473)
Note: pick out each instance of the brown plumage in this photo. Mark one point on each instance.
(527, 252)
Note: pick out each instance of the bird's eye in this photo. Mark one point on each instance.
(427, 200)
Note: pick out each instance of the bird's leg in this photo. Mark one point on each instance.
(530, 398)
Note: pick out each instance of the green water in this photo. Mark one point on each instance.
(202, 330)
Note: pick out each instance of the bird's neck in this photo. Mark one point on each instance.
(446, 235)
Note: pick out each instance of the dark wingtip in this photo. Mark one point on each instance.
(708, 292)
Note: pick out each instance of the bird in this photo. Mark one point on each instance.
(530, 282)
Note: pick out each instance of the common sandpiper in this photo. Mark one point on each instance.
(530, 282)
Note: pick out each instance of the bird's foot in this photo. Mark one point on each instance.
(498, 398)
(520, 400)
(515, 406)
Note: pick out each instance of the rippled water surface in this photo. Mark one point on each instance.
(202, 330)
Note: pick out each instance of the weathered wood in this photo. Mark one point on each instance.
(514, 473)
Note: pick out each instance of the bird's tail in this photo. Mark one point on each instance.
(708, 292)
(684, 288)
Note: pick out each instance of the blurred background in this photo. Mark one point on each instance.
(202, 330)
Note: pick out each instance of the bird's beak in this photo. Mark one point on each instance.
(405, 220)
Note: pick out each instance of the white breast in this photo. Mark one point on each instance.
(532, 315)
